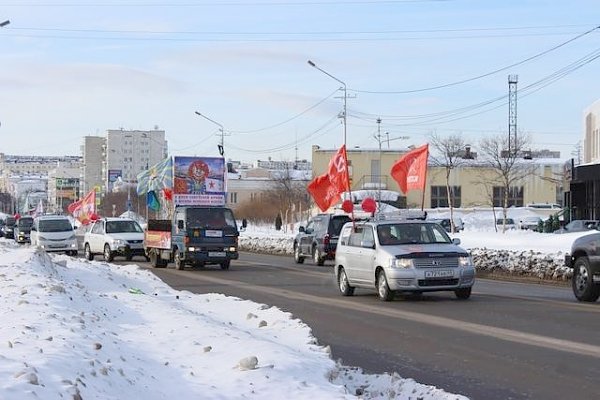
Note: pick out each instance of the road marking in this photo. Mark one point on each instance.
(469, 327)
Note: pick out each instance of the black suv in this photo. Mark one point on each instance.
(585, 261)
(318, 239)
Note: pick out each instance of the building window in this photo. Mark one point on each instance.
(233, 197)
(515, 196)
(439, 196)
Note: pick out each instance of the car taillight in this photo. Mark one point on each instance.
(326, 239)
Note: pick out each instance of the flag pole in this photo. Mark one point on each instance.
(425, 180)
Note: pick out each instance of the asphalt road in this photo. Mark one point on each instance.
(509, 341)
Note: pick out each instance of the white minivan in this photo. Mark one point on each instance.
(54, 233)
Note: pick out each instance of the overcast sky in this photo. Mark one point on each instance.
(75, 68)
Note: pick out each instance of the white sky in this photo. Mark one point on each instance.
(106, 331)
(75, 68)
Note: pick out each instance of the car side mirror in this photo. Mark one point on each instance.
(33, 228)
(368, 244)
(301, 229)
(180, 224)
(456, 241)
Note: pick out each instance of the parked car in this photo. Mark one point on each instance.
(578, 225)
(508, 223)
(318, 239)
(54, 233)
(23, 229)
(8, 230)
(401, 256)
(445, 223)
(530, 222)
(114, 237)
(584, 258)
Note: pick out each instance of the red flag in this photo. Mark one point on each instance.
(83, 209)
(338, 171)
(323, 192)
(410, 171)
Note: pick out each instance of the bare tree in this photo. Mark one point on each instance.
(449, 155)
(507, 164)
(288, 193)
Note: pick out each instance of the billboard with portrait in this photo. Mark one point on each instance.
(199, 181)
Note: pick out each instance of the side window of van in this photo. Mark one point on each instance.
(345, 235)
(356, 236)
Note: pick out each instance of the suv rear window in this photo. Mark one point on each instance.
(336, 224)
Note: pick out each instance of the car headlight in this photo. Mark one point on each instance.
(71, 237)
(465, 261)
(119, 242)
(401, 262)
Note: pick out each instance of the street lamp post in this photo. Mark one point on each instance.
(222, 145)
(312, 64)
(4, 23)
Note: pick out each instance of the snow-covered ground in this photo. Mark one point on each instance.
(73, 329)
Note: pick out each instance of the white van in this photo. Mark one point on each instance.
(54, 233)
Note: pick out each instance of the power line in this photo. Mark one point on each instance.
(482, 75)
(226, 3)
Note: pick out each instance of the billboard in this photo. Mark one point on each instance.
(199, 181)
(113, 174)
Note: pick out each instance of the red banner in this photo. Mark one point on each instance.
(410, 171)
(323, 192)
(338, 171)
(83, 209)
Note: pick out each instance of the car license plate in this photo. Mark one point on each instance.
(211, 233)
(439, 274)
(216, 254)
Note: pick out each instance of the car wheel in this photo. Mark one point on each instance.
(463, 293)
(343, 284)
(88, 253)
(108, 255)
(317, 258)
(297, 257)
(179, 263)
(584, 287)
(383, 290)
(225, 264)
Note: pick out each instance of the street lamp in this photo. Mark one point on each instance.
(222, 144)
(3, 24)
(312, 64)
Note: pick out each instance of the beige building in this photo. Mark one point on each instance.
(472, 183)
(591, 134)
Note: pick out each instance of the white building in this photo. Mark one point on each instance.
(91, 171)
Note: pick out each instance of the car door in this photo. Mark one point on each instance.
(96, 237)
(307, 239)
(365, 256)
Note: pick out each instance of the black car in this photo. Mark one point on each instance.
(585, 261)
(22, 229)
(318, 239)
(8, 230)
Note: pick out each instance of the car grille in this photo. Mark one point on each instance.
(445, 262)
(438, 282)
(135, 241)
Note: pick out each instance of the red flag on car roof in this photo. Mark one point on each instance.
(410, 170)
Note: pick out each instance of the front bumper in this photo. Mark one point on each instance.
(133, 250)
(50, 247)
(429, 280)
(211, 255)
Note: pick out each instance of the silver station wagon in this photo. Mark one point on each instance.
(401, 255)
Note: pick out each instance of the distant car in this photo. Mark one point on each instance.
(578, 225)
(54, 233)
(401, 256)
(318, 239)
(114, 237)
(8, 230)
(23, 229)
(445, 223)
(530, 222)
(508, 223)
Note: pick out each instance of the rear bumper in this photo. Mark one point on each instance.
(211, 256)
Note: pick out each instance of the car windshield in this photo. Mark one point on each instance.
(122, 227)
(25, 222)
(411, 233)
(210, 218)
(55, 225)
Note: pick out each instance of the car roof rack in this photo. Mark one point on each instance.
(404, 214)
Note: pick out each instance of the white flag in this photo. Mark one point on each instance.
(213, 185)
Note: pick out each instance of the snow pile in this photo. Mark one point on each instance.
(75, 329)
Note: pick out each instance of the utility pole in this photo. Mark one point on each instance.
(380, 166)
(221, 129)
(512, 115)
